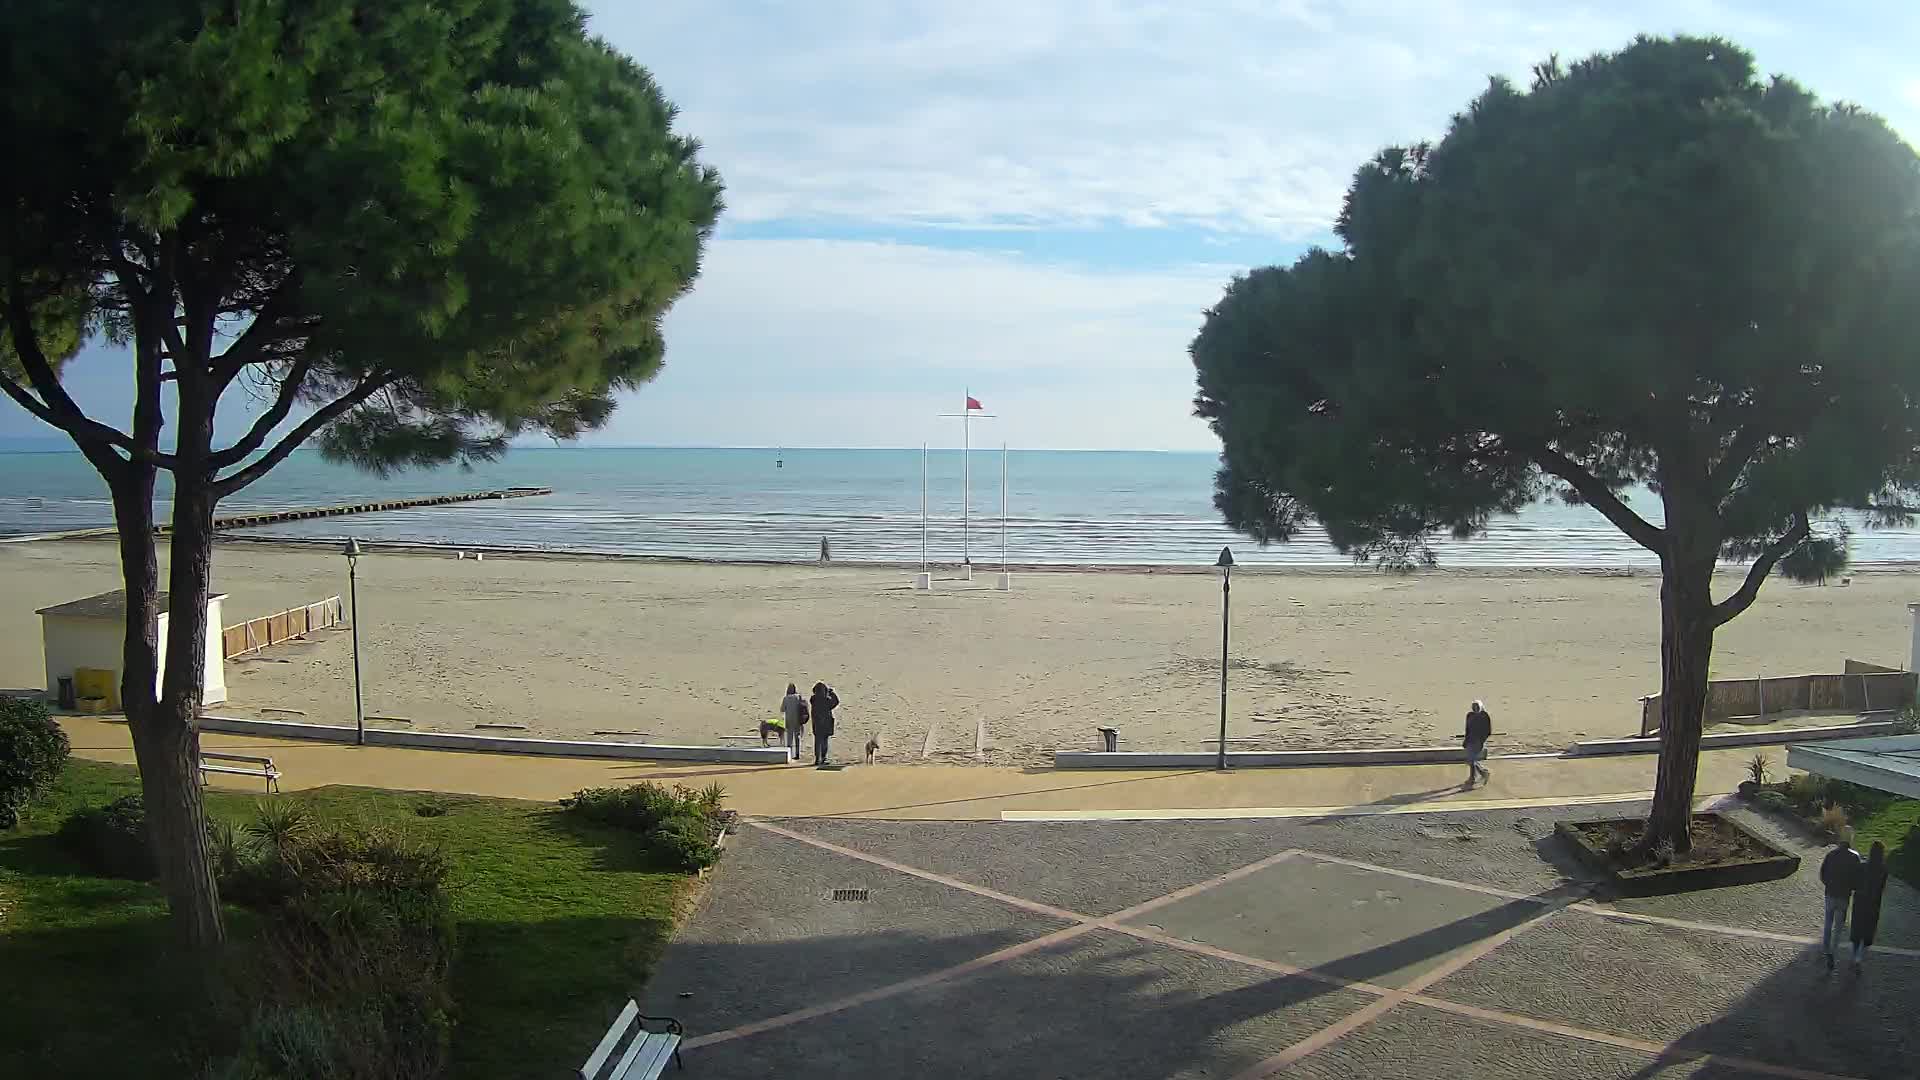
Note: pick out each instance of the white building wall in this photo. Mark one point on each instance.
(72, 642)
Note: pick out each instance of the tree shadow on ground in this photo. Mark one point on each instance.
(1853, 1022)
(533, 998)
(1126, 1007)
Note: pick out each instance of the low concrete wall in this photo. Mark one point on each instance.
(435, 740)
(1739, 738)
(1126, 759)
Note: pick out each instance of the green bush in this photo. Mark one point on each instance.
(110, 839)
(1807, 792)
(33, 749)
(680, 826)
(685, 843)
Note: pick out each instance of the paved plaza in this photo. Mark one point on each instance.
(1431, 945)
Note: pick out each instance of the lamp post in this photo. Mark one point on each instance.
(352, 552)
(1225, 563)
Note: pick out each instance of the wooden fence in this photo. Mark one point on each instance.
(1864, 688)
(256, 634)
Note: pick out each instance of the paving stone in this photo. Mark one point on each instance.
(1356, 924)
(1706, 992)
(768, 939)
(1416, 1043)
(1103, 1006)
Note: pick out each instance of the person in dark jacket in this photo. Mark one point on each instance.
(824, 701)
(1866, 901)
(1840, 873)
(1479, 730)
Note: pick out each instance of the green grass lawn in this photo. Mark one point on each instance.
(1897, 825)
(558, 924)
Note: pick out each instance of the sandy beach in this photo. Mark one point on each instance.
(690, 653)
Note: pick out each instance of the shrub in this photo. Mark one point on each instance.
(1759, 768)
(33, 749)
(110, 839)
(1834, 820)
(431, 808)
(685, 843)
(1774, 800)
(352, 976)
(679, 825)
(1807, 792)
(1907, 721)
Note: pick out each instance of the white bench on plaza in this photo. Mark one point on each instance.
(643, 1053)
(243, 765)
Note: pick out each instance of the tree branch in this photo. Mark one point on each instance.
(1762, 566)
(318, 419)
(1600, 497)
(283, 402)
(56, 407)
(1746, 442)
(263, 331)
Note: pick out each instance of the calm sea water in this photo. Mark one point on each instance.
(1063, 507)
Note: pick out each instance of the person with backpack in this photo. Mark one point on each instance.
(1866, 901)
(1840, 874)
(824, 701)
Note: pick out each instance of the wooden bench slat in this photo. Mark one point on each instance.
(628, 1016)
(655, 1049)
(236, 757)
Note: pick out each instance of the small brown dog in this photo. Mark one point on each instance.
(873, 747)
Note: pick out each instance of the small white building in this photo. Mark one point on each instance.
(91, 633)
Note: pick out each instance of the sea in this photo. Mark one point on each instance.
(1085, 508)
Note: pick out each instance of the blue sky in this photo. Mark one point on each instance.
(1037, 200)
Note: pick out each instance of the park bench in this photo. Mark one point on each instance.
(643, 1053)
(244, 765)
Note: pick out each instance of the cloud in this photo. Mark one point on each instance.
(846, 343)
(1239, 116)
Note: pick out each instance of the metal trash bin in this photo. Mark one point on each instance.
(65, 694)
(1110, 739)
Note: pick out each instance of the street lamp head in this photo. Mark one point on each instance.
(352, 550)
(1225, 562)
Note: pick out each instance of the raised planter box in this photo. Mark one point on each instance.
(1753, 859)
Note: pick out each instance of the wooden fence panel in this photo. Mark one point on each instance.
(255, 634)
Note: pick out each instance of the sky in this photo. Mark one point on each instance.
(1036, 201)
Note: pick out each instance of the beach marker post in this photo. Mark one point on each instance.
(1913, 655)
(1005, 584)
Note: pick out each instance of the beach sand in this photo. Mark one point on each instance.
(686, 653)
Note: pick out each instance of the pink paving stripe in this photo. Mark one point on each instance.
(1663, 1051)
(978, 963)
(1360, 1018)
(1389, 997)
(1428, 878)
(925, 875)
(1591, 908)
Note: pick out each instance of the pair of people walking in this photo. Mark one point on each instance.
(1861, 883)
(817, 709)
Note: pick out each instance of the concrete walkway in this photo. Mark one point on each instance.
(950, 792)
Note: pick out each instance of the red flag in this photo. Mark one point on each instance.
(974, 403)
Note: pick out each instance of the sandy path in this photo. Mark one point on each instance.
(688, 653)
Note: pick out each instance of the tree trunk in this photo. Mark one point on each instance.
(165, 743)
(1686, 653)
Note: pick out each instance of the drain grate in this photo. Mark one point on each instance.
(849, 895)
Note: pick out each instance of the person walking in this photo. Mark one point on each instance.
(824, 701)
(792, 710)
(1866, 901)
(1840, 873)
(1479, 730)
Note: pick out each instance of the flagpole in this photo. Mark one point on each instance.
(923, 506)
(966, 476)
